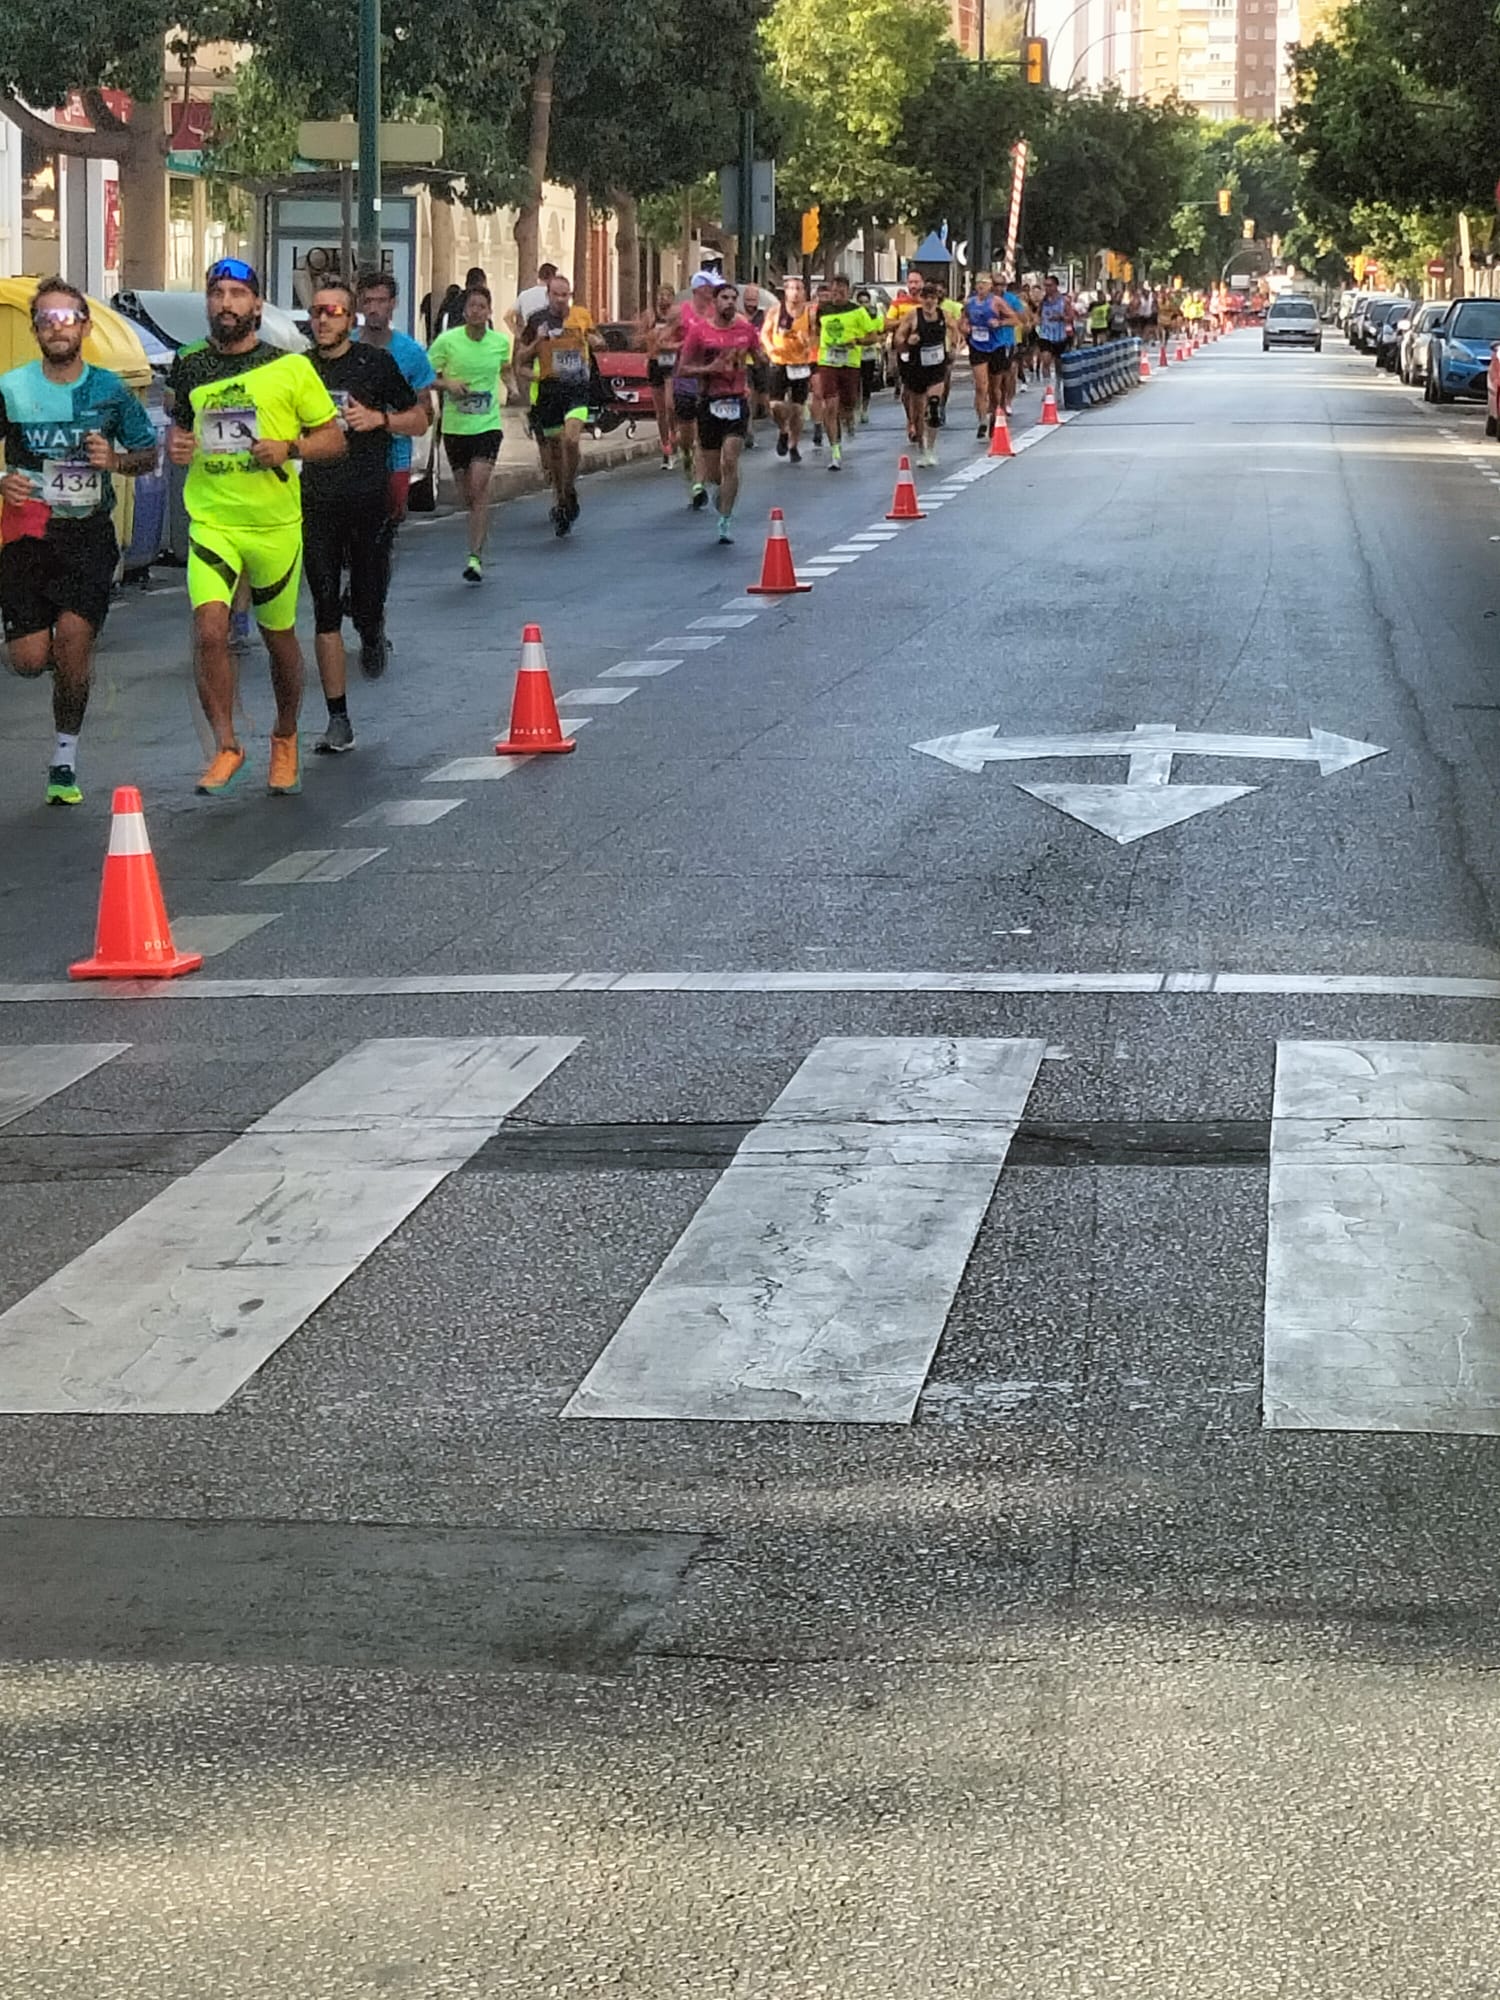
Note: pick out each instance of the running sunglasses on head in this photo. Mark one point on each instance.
(236, 269)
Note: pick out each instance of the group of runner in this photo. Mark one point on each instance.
(297, 461)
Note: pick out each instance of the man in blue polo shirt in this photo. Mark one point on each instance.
(66, 427)
(378, 293)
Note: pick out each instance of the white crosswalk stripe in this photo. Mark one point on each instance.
(176, 1308)
(36, 1071)
(813, 1284)
(1383, 1258)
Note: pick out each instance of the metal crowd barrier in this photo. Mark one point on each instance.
(1093, 374)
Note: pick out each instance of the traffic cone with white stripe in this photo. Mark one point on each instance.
(778, 575)
(133, 939)
(1049, 408)
(904, 500)
(1000, 444)
(1161, 359)
(534, 728)
(1145, 367)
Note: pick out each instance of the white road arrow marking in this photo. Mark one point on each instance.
(1147, 801)
(974, 748)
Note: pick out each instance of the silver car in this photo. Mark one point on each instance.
(1413, 358)
(1292, 321)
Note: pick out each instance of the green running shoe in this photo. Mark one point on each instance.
(62, 787)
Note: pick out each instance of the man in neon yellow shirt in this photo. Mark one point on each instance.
(241, 410)
(558, 345)
(843, 328)
(470, 362)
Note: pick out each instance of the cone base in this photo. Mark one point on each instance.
(774, 589)
(916, 514)
(512, 749)
(126, 968)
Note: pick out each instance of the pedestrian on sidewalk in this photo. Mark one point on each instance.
(67, 428)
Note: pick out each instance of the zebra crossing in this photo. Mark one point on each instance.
(815, 1279)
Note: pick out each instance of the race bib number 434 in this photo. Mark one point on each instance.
(71, 486)
(228, 432)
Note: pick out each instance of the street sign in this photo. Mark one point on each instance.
(336, 140)
(1147, 801)
(762, 197)
(1436, 268)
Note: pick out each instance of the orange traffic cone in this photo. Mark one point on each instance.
(534, 727)
(1000, 444)
(904, 500)
(133, 939)
(1145, 367)
(1182, 353)
(778, 575)
(1161, 359)
(1049, 409)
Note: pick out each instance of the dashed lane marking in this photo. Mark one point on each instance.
(315, 864)
(31, 1074)
(599, 697)
(210, 935)
(402, 812)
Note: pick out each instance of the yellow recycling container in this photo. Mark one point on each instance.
(111, 342)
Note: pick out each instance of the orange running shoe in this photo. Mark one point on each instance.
(286, 765)
(223, 771)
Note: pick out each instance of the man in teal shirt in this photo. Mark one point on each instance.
(66, 427)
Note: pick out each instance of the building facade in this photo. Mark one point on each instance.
(1228, 59)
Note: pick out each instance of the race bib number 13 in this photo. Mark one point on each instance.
(227, 432)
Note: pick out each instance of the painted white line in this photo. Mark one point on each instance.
(35, 1071)
(872, 537)
(176, 1308)
(817, 569)
(315, 864)
(692, 642)
(1383, 1254)
(212, 934)
(813, 1284)
(1333, 985)
(474, 770)
(636, 670)
(724, 621)
(405, 812)
(850, 549)
(598, 697)
(840, 561)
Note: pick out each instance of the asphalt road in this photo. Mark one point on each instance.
(1068, 1566)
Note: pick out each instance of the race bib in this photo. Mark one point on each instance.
(667, 360)
(569, 366)
(72, 486)
(932, 357)
(798, 372)
(341, 405)
(475, 402)
(728, 409)
(230, 433)
(835, 357)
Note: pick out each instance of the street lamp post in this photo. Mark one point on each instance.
(1245, 249)
(369, 135)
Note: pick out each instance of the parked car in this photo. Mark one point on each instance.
(1357, 305)
(1292, 321)
(1370, 316)
(1388, 334)
(627, 392)
(1492, 395)
(1344, 307)
(1458, 350)
(1413, 352)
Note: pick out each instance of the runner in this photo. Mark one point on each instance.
(66, 427)
(843, 328)
(241, 410)
(954, 313)
(717, 351)
(1054, 327)
(346, 503)
(789, 339)
(659, 330)
(822, 297)
(378, 294)
(922, 341)
(685, 391)
(755, 303)
(870, 350)
(469, 363)
(987, 315)
(1099, 319)
(558, 345)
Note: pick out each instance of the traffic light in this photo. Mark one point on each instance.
(810, 217)
(1226, 195)
(1036, 59)
(1247, 229)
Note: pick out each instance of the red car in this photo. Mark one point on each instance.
(622, 369)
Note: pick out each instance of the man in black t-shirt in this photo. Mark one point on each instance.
(344, 503)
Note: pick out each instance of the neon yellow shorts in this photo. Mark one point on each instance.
(271, 558)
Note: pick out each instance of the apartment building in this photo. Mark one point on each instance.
(1226, 58)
